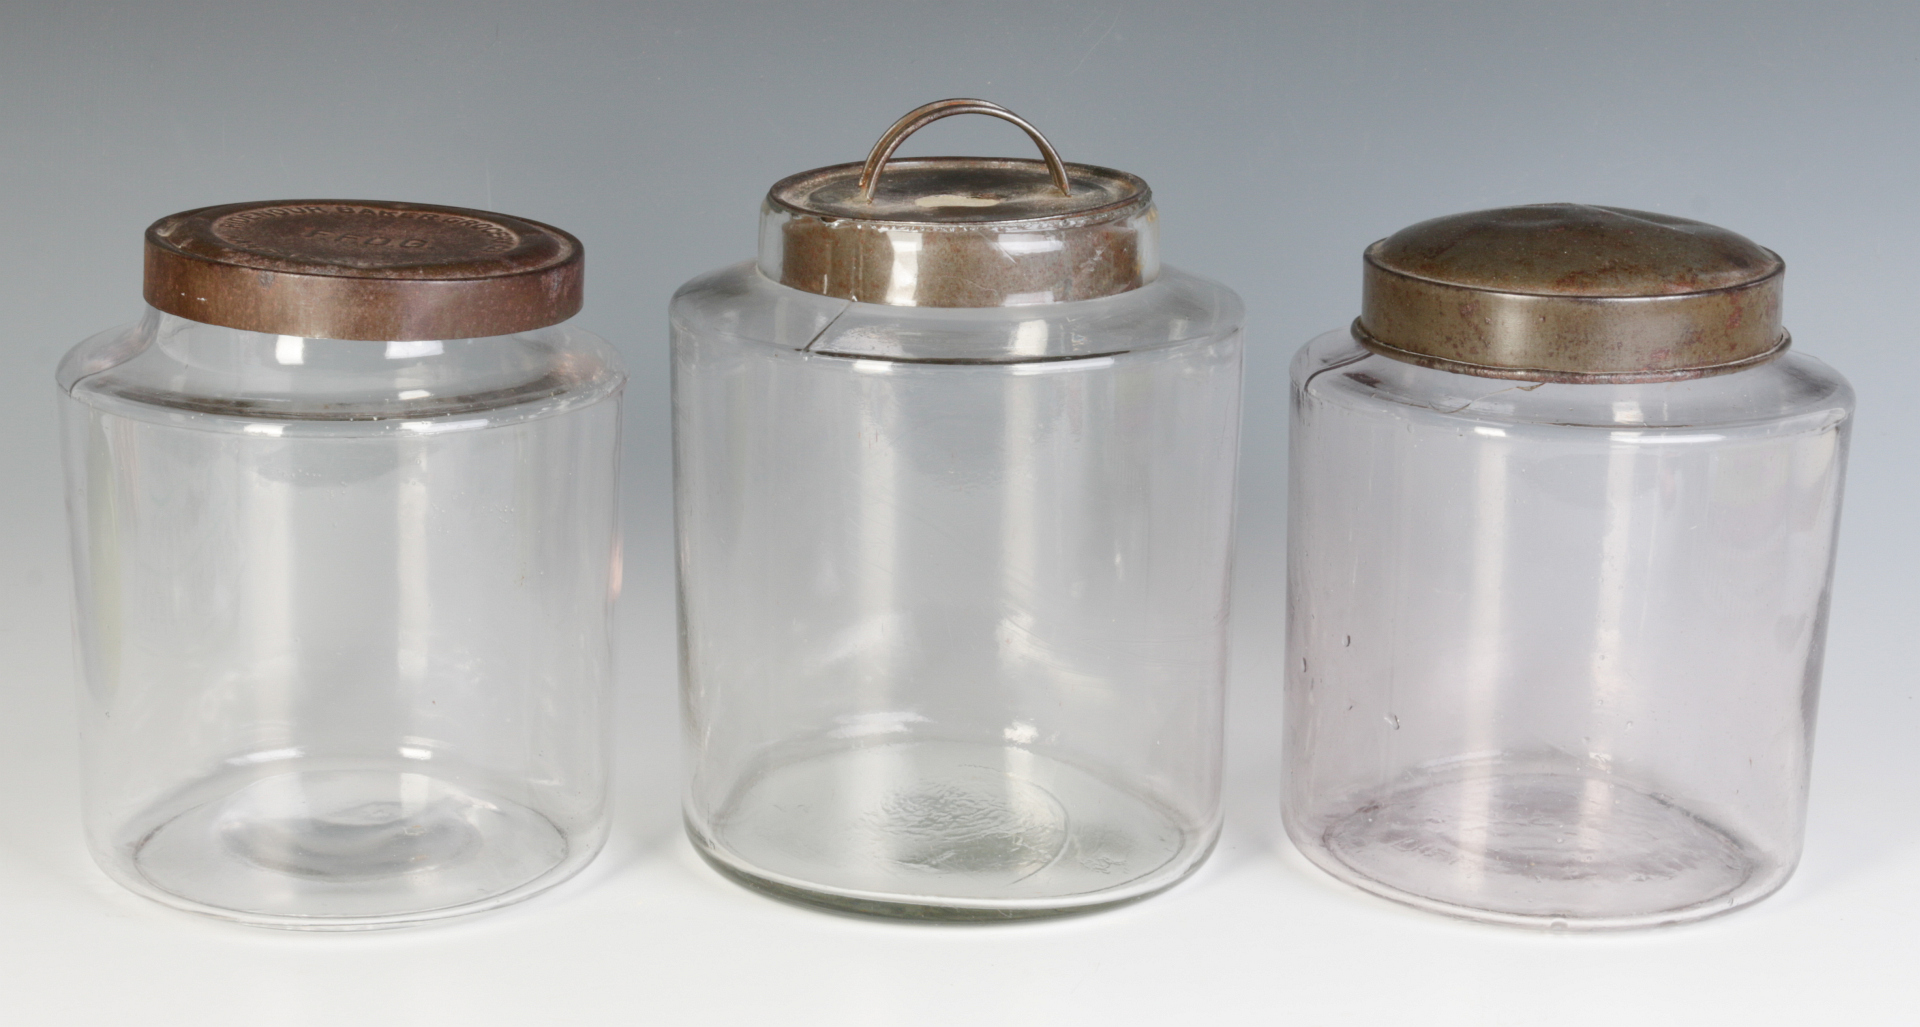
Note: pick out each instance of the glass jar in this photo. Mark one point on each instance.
(954, 478)
(1563, 509)
(344, 535)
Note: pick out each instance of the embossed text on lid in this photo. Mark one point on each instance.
(354, 269)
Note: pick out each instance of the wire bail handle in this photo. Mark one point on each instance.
(921, 117)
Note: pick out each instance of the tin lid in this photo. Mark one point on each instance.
(1565, 292)
(358, 269)
(960, 231)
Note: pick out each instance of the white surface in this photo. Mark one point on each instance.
(1280, 139)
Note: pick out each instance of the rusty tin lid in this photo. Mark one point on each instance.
(1565, 292)
(362, 269)
(960, 231)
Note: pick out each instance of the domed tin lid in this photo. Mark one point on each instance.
(1565, 292)
(360, 269)
(960, 231)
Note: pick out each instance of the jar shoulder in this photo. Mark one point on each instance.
(186, 368)
(740, 304)
(1794, 388)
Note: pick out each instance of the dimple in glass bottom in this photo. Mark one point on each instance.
(947, 831)
(1510, 841)
(343, 848)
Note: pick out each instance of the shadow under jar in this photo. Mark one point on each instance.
(343, 515)
(1563, 508)
(954, 472)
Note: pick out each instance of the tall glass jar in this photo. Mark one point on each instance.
(954, 474)
(344, 535)
(1563, 516)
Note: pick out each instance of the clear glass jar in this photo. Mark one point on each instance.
(953, 580)
(1554, 645)
(343, 604)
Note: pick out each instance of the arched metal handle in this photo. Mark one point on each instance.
(921, 117)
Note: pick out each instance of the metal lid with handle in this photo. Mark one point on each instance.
(960, 231)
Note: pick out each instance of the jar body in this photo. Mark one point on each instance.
(953, 590)
(343, 614)
(1554, 650)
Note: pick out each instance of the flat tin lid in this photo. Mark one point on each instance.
(1573, 293)
(362, 269)
(960, 231)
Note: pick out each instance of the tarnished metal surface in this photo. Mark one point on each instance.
(960, 231)
(922, 116)
(353, 269)
(1572, 293)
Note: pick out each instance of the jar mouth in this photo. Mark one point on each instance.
(1541, 374)
(971, 264)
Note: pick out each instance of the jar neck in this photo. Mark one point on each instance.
(172, 362)
(258, 355)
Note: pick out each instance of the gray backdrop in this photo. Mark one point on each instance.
(1280, 138)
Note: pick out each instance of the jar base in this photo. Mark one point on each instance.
(951, 831)
(1511, 842)
(344, 849)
